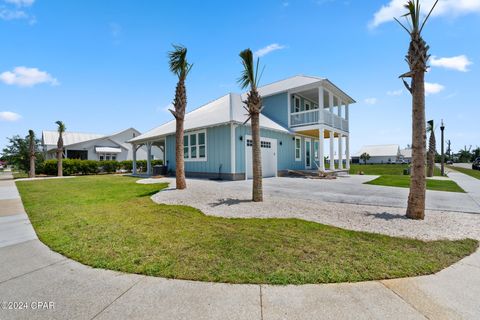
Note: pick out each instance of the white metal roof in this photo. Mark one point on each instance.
(406, 153)
(107, 150)
(226, 109)
(51, 137)
(383, 150)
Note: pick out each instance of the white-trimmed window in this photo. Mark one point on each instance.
(107, 156)
(298, 149)
(297, 104)
(195, 146)
(308, 105)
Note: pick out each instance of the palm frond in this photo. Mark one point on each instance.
(428, 16)
(61, 126)
(31, 134)
(178, 61)
(247, 77)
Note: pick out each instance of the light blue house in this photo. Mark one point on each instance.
(300, 114)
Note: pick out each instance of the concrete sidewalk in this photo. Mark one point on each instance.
(30, 272)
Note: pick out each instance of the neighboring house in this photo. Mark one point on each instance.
(385, 153)
(299, 114)
(90, 146)
(406, 155)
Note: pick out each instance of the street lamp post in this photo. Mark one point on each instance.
(442, 128)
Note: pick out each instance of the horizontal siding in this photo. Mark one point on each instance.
(276, 108)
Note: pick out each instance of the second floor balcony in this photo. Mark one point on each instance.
(318, 116)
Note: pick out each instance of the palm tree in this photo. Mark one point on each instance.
(180, 67)
(431, 149)
(61, 130)
(417, 58)
(365, 157)
(31, 153)
(250, 78)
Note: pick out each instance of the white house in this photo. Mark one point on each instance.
(385, 153)
(91, 146)
(406, 155)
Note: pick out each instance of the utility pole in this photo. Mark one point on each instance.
(442, 127)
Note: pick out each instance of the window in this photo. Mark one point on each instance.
(297, 104)
(107, 157)
(249, 143)
(195, 146)
(307, 105)
(298, 151)
(265, 144)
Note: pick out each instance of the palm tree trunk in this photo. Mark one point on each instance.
(256, 159)
(60, 162)
(179, 159)
(31, 173)
(431, 154)
(416, 198)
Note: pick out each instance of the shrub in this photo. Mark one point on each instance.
(86, 167)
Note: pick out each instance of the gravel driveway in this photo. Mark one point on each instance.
(345, 203)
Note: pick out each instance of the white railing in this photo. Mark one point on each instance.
(316, 116)
(304, 118)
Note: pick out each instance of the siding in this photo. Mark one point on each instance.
(218, 152)
(286, 151)
(276, 108)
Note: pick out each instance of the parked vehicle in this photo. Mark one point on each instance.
(476, 164)
(449, 162)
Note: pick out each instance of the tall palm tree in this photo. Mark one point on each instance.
(431, 149)
(250, 79)
(180, 67)
(417, 58)
(31, 153)
(61, 130)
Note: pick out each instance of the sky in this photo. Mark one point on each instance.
(101, 66)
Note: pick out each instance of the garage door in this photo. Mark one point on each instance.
(269, 157)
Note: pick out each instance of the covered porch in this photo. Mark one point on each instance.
(148, 171)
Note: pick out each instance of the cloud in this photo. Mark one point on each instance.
(395, 92)
(371, 101)
(27, 77)
(21, 3)
(450, 8)
(7, 14)
(459, 63)
(268, 49)
(433, 88)
(9, 116)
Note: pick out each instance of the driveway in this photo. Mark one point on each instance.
(31, 273)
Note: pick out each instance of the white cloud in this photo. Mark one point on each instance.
(459, 63)
(6, 14)
(433, 88)
(268, 49)
(450, 8)
(27, 77)
(9, 116)
(395, 92)
(371, 101)
(21, 3)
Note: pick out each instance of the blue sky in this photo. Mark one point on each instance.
(101, 66)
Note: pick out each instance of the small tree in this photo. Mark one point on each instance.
(180, 67)
(250, 79)
(32, 153)
(431, 149)
(365, 157)
(61, 131)
(17, 152)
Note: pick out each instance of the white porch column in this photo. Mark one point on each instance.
(347, 150)
(321, 156)
(339, 108)
(340, 151)
(332, 153)
(134, 162)
(330, 101)
(321, 105)
(149, 158)
(346, 112)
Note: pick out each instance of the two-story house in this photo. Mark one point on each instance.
(300, 114)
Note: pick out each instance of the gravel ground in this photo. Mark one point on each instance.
(227, 199)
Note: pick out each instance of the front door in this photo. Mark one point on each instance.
(308, 153)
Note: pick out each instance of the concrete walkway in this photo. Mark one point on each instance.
(30, 273)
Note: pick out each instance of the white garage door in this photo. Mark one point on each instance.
(269, 157)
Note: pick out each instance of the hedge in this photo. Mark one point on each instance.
(86, 167)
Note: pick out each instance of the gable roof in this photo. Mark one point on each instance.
(226, 109)
(383, 150)
(406, 153)
(73, 138)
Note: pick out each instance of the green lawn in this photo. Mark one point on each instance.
(404, 182)
(110, 222)
(383, 169)
(20, 175)
(470, 172)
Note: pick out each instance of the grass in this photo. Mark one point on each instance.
(404, 182)
(383, 169)
(470, 172)
(20, 175)
(110, 222)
